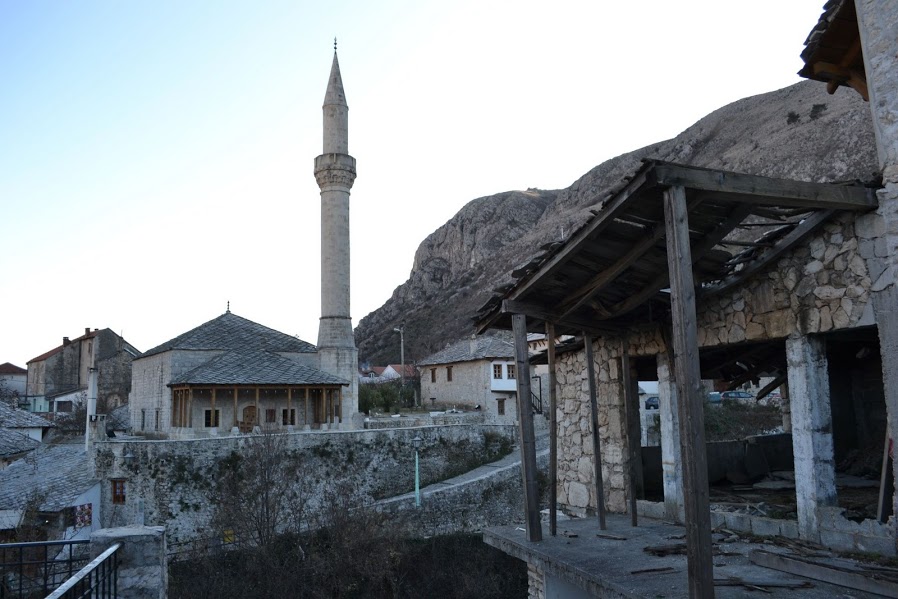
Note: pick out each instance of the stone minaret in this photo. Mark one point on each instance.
(335, 173)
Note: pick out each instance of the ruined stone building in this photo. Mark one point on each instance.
(234, 375)
(687, 273)
(57, 379)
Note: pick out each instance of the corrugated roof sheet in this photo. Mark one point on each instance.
(231, 332)
(478, 348)
(57, 473)
(255, 368)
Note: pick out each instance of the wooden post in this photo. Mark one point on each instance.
(690, 395)
(190, 408)
(213, 419)
(236, 421)
(290, 406)
(525, 429)
(258, 416)
(553, 433)
(634, 432)
(596, 441)
(305, 409)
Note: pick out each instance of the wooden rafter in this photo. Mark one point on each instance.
(808, 226)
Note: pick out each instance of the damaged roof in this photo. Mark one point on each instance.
(832, 51)
(612, 272)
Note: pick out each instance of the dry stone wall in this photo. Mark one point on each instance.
(172, 483)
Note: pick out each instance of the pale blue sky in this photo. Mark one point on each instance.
(156, 157)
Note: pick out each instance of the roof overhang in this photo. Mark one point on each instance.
(611, 275)
(832, 51)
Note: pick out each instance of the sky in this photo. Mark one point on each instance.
(156, 157)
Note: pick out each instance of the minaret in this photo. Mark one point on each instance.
(335, 173)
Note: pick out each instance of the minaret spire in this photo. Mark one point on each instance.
(335, 173)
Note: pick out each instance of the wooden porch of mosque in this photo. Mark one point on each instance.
(246, 407)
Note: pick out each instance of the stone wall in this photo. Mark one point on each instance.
(171, 483)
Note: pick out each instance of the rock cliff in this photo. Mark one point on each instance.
(799, 132)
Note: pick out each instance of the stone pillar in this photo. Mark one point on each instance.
(671, 464)
(812, 439)
(143, 565)
(878, 28)
(536, 582)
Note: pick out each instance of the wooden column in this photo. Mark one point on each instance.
(258, 415)
(190, 408)
(213, 420)
(525, 429)
(290, 405)
(690, 395)
(235, 408)
(553, 432)
(596, 441)
(340, 404)
(305, 409)
(634, 432)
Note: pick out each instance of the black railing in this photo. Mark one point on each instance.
(34, 569)
(536, 400)
(96, 580)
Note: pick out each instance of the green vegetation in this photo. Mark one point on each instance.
(731, 420)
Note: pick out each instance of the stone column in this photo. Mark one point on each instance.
(878, 28)
(812, 439)
(143, 564)
(671, 463)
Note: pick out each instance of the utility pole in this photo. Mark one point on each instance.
(401, 330)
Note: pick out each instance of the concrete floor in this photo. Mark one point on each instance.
(605, 566)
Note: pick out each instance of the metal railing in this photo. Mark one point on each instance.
(537, 400)
(96, 580)
(34, 569)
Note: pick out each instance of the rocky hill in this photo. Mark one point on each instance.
(799, 132)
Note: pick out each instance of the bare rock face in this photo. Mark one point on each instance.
(799, 132)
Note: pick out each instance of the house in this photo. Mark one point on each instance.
(57, 379)
(14, 445)
(51, 490)
(231, 374)
(13, 380)
(811, 303)
(398, 371)
(24, 422)
(472, 372)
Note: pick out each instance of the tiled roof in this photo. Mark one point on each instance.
(7, 368)
(255, 368)
(58, 349)
(59, 473)
(16, 418)
(478, 348)
(12, 442)
(410, 370)
(231, 332)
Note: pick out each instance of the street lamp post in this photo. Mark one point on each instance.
(417, 443)
(400, 329)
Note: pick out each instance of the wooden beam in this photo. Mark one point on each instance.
(634, 432)
(609, 209)
(525, 430)
(807, 226)
(858, 580)
(543, 315)
(702, 248)
(603, 278)
(553, 432)
(767, 190)
(596, 441)
(772, 385)
(690, 395)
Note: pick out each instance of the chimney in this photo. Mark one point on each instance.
(87, 330)
(65, 341)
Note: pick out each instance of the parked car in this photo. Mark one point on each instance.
(737, 395)
(651, 403)
(714, 397)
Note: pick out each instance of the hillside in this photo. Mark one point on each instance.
(799, 132)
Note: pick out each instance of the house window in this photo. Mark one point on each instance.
(64, 406)
(433, 375)
(118, 491)
(143, 420)
(157, 420)
(211, 420)
(510, 371)
(501, 406)
(289, 416)
(497, 371)
(271, 415)
(448, 373)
